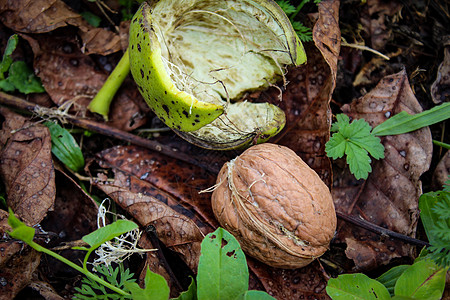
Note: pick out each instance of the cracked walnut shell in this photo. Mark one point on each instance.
(275, 205)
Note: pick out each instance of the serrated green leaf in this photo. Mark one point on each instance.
(156, 287)
(20, 231)
(222, 269)
(104, 234)
(65, 148)
(356, 286)
(371, 144)
(286, 6)
(423, 280)
(23, 78)
(389, 278)
(404, 122)
(358, 161)
(335, 147)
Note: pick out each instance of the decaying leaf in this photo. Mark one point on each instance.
(442, 171)
(393, 185)
(26, 167)
(41, 16)
(440, 87)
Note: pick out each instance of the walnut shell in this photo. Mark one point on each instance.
(275, 205)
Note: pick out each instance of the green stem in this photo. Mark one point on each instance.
(297, 10)
(78, 268)
(441, 144)
(102, 101)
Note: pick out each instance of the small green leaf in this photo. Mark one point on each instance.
(156, 287)
(356, 141)
(92, 19)
(7, 86)
(23, 78)
(255, 295)
(222, 269)
(20, 230)
(190, 294)
(65, 148)
(104, 234)
(404, 122)
(389, 278)
(356, 286)
(7, 60)
(423, 280)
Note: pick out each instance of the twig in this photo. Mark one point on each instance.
(380, 230)
(361, 47)
(21, 104)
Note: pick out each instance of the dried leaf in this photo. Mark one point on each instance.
(27, 168)
(442, 171)
(440, 87)
(394, 183)
(41, 16)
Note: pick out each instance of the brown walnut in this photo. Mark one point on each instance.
(275, 205)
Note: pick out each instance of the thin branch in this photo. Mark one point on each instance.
(380, 230)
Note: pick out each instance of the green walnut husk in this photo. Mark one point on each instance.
(193, 61)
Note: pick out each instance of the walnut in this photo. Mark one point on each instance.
(275, 205)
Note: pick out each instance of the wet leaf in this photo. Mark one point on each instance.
(394, 183)
(356, 286)
(27, 167)
(422, 280)
(65, 148)
(41, 16)
(222, 270)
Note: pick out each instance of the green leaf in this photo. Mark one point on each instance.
(304, 33)
(356, 141)
(7, 60)
(7, 86)
(156, 288)
(423, 280)
(23, 78)
(65, 148)
(356, 286)
(434, 213)
(104, 234)
(389, 278)
(92, 19)
(404, 122)
(254, 295)
(20, 230)
(190, 294)
(222, 269)
(286, 6)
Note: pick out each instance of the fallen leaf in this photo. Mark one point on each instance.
(27, 168)
(442, 171)
(374, 21)
(394, 183)
(42, 16)
(440, 89)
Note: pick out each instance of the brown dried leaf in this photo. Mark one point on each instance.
(440, 90)
(162, 192)
(41, 16)
(442, 171)
(72, 78)
(394, 183)
(27, 168)
(306, 100)
(374, 21)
